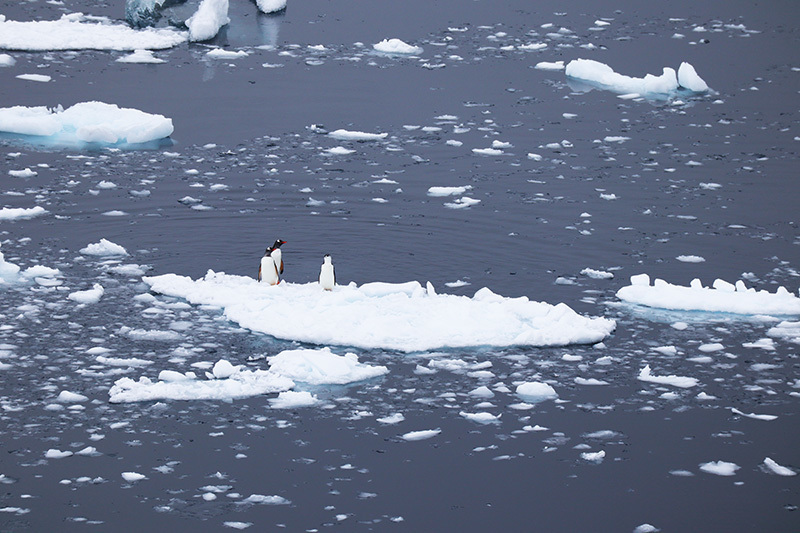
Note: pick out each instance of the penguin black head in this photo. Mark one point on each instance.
(326, 255)
(278, 244)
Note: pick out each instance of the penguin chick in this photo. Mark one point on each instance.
(327, 278)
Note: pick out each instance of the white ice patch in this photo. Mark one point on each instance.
(77, 31)
(690, 259)
(86, 122)
(786, 330)
(240, 383)
(209, 18)
(396, 46)
(676, 381)
(546, 65)
(91, 296)
(720, 468)
(535, 391)
(448, 191)
(420, 435)
(345, 135)
(461, 203)
(293, 400)
(404, 317)
(21, 213)
(722, 298)
(775, 468)
(219, 53)
(271, 6)
(42, 78)
(754, 416)
(104, 248)
(481, 418)
(140, 56)
(602, 75)
(596, 274)
(323, 367)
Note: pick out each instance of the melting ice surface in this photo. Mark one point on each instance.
(602, 75)
(86, 122)
(723, 297)
(77, 31)
(404, 317)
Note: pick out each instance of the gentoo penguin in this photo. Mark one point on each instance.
(327, 278)
(271, 266)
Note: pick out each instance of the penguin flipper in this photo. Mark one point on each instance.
(281, 266)
(259, 272)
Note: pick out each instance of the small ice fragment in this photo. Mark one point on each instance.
(421, 435)
(720, 468)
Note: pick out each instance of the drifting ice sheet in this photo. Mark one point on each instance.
(602, 75)
(77, 31)
(722, 298)
(403, 317)
(86, 122)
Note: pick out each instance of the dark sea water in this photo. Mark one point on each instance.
(713, 175)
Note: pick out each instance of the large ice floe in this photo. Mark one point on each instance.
(604, 77)
(86, 122)
(227, 381)
(77, 31)
(722, 297)
(406, 317)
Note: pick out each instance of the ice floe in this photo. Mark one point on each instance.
(603, 76)
(421, 434)
(209, 18)
(683, 382)
(21, 213)
(321, 367)
(91, 296)
(346, 135)
(720, 468)
(86, 122)
(535, 391)
(775, 468)
(396, 46)
(77, 31)
(104, 248)
(786, 330)
(723, 297)
(140, 56)
(405, 316)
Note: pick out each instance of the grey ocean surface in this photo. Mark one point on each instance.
(711, 175)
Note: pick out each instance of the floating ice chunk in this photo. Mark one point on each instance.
(448, 191)
(487, 151)
(219, 53)
(237, 524)
(86, 122)
(396, 46)
(21, 213)
(223, 369)
(754, 416)
(152, 335)
(52, 453)
(690, 259)
(385, 315)
(594, 457)
(240, 383)
(339, 150)
(720, 468)
(590, 381)
(209, 18)
(271, 6)
(615, 139)
(688, 79)
(546, 65)
(395, 418)
(461, 203)
(711, 347)
(666, 350)
(764, 344)
(676, 381)
(775, 468)
(596, 274)
(648, 528)
(91, 296)
(126, 362)
(71, 397)
(293, 400)
(104, 248)
(7, 60)
(261, 499)
(131, 270)
(600, 74)
(481, 418)
(482, 392)
(323, 367)
(42, 78)
(130, 477)
(77, 31)
(723, 298)
(535, 391)
(532, 46)
(25, 173)
(345, 135)
(421, 435)
(789, 331)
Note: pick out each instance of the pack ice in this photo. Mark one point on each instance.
(722, 297)
(77, 31)
(602, 75)
(394, 316)
(86, 122)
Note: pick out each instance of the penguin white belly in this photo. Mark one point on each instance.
(327, 279)
(269, 274)
(277, 259)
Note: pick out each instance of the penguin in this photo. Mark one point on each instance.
(327, 278)
(271, 266)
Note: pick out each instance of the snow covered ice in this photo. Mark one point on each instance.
(77, 31)
(209, 18)
(403, 317)
(86, 122)
(722, 297)
(602, 75)
(396, 46)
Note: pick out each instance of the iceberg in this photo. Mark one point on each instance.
(722, 297)
(404, 317)
(271, 6)
(209, 18)
(86, 122)
(77, 31)
(603, 76)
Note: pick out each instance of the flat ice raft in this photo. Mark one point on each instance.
(404, 317)
(88, 122)
(722, 297)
